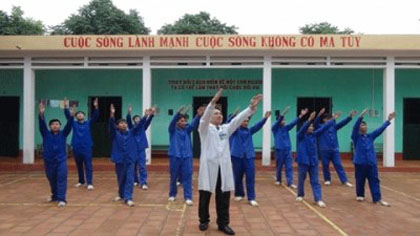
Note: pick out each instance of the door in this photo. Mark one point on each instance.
(200, 101)
(99, 129)
(313, 104)
(9, 126)
(411, 129)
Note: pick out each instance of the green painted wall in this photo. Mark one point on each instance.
(348, 88)
(80, 84)
(11, 84)
(167, 98)
(407, 85)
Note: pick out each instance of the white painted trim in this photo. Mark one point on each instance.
(147, 101)
(389, 106)
(266, 139)
(28, 112)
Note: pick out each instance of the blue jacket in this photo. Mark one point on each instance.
(364, 150)
(141, 137)
(307, 152)
(124, 145)
(241, 141)
(328, 139)
(281, 134)
(54, 145)
(180, 139)
(81, 130)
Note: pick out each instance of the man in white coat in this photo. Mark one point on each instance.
(215, 174)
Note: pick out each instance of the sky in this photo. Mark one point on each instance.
(252, 17)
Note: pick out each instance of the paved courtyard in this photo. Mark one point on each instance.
(23, 210)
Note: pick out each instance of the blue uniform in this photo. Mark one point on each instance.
(283, 148)
(55, 158)
(180, 156)
(364, 160)
(82, 146)
(329, 149)
(142, 145)
(307, 158)
(124, 154)
(243, 159)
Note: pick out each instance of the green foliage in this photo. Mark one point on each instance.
(16, 24)
(200, 23)
(323, 28)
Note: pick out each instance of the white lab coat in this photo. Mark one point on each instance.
(215, 151)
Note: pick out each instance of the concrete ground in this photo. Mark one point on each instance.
(23, 210)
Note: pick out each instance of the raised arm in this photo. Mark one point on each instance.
(95, 113)
(172, 125)
(150, 118)
(301, 133)
(237, 121)
(205, 119)
(382, 128)
(42, 124)
(66, 108)
(111, 123)
(128, 117)
(194, 124)
(326, 126)
(356, 126)
(260, 124)
(292, 124)
(345, 121)
(69, 123)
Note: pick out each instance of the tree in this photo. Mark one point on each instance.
(102, 17)
(16, 24)
(323, 28)
(200, 23)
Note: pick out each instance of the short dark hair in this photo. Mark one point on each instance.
(121, 120)
(327, 116)
(80, 112)
(363, 123)
(135, 116)
(183, 116)
(54, 120)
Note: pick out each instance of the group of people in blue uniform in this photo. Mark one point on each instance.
(316, 136)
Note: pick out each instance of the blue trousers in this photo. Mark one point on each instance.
(313, 176)
(369, 172)
(241, 167)
(125, 180)
(83, 159)
(334, 157)
(183, 166)
(140, 168)
(56, 173)
(284, 158)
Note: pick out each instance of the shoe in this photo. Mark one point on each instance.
(189, 202)
(292, 186)
(78, 185)
(327, 183)
(238, 199)
(321, 204)
(117, 199)
(383, 203)
(135, 183)
(129, 203)
(61, 204)
(227, 230)
(299, 199)
(203, 226)
(90, 187)
(171, 199)
(253, 203)
(277, 183)
(49, 200)
(144, 187)
(360, 199)
(348, 184)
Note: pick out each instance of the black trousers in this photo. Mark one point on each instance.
(222, 204)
